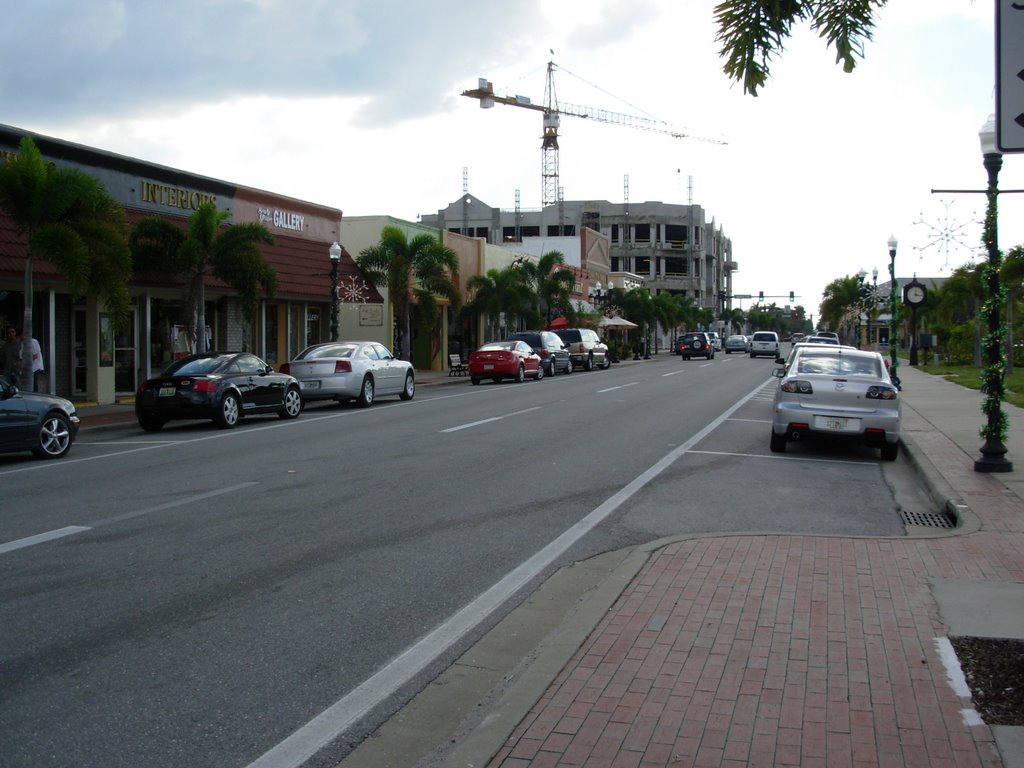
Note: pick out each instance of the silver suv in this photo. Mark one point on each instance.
(764, 343)
(585, 348)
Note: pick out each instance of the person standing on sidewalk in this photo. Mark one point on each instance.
(37, 362)
(10, 356)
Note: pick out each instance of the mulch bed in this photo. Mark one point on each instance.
(994, 670)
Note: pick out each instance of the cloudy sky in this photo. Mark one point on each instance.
(356, 104)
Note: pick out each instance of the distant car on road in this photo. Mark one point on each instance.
(347, 370)
(509, 359)
(716, 341)
(695, 344)
(764, 343)
(836, 392)
(33, 421)
(553, 354)
(736, 343)
(222, 386)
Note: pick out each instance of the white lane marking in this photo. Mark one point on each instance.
(867, 462)
(297, 748)
(41, 538)
(620, 386)
(673, 373)
(488, 421)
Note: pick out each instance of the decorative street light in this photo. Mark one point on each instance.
(893, 328)
(993, 451)
(872, 330)
(862, 295)
(335, 252)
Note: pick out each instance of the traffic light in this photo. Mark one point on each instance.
(792, 296)
(760, 296)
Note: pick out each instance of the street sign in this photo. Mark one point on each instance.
(1010, 75)
(742, 296)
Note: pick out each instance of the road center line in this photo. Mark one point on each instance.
(488, 421)
(673, 373)
(620, 386)
(336, 719)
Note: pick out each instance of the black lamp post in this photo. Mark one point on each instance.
(335, 252)
(893, 294)
(872, 329)
(993, 451)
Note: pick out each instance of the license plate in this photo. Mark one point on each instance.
(837, 423)
(166, 392)
(310, 384)
(488, 366)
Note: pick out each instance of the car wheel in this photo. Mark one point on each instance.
(151, 423)
(409, 390)
(551, 368)
(292, 404)
(890, 451)
(728, 351)
(520, 374)
(54, 437)
(230, 411)
(365, 399)
(752, 355)
(474, 380)
(778, 443)
(606, 364)
(568, 368)
(589, 364)
(540, 372)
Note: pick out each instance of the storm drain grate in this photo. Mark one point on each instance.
(928, 519)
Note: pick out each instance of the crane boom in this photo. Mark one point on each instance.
(552, 110)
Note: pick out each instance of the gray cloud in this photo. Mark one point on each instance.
(67, 59)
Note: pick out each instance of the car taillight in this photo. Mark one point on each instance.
(797, 387)
(881, 393)
(204, 385)
(285, 368)
(342, 366)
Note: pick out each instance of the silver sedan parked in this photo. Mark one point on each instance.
(837, 392)
(343, 370)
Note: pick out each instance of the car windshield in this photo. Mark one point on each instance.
(329, 350)
(838, 365)
(197, 366)
(498, 345)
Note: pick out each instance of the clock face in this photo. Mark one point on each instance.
(915, 294)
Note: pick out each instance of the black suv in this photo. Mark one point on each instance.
(585, 347)
(553, 354)
(695, 344)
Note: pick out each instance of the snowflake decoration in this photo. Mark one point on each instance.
(353, 290)
(948, 234)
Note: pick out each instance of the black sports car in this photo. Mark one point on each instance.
(223, 386)
(32, 421)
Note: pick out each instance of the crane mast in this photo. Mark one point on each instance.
(552, 111)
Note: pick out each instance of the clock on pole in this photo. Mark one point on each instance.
(914, 295)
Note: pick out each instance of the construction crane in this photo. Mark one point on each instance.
(553, 110)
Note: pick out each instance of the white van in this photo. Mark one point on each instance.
(764, 343)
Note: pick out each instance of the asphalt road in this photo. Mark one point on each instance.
(268, 595)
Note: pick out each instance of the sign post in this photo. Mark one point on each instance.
(1010, 75)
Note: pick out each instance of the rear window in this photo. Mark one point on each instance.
(764, 337)
(533, 339)
(570, 335)
(835, 365)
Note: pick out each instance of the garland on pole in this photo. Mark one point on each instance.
(997, 424)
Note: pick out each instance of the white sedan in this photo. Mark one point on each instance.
(343, 370)
(840, 393)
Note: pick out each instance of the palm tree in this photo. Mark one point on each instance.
(550, 282)
(231, 254)
(734, 319)
(666, 312)
(422, 268)
(70, 220)
(499, 292)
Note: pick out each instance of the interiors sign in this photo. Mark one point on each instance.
(174, 197)
(281, 219)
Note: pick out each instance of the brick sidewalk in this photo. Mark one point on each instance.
(781, 650)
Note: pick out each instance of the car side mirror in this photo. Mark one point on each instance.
(8, 390)
(268, 369)
(780, 361)
(779, 373)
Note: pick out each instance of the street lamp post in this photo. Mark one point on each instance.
(893, 294)
(993, 451)
(872, 330)
(861, 299)
(335, 252)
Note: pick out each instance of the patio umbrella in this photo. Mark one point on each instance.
(610, 323)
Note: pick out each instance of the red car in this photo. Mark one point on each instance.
(497, 360)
